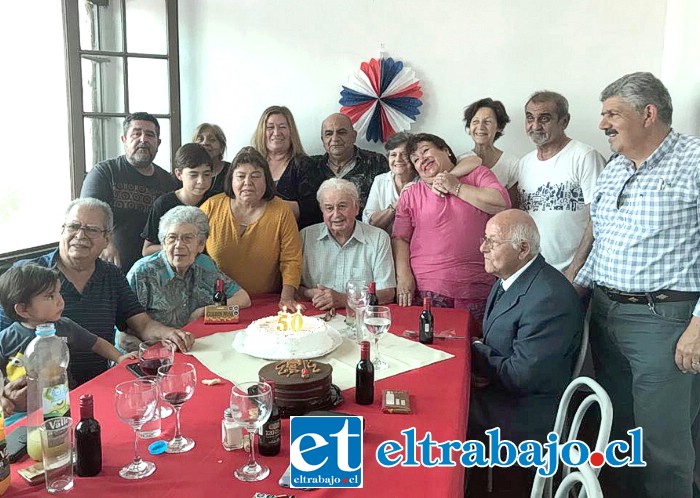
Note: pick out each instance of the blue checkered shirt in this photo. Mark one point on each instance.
(646, 222)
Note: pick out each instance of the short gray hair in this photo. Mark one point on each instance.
(560, 103)
(184, 215)
(525, 232)
(92, 203)
(639, 90)
(345, 186)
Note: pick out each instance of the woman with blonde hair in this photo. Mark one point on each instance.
(277, 139)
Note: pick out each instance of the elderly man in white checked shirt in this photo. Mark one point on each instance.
(644, 269)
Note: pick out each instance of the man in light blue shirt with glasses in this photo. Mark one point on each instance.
(644, 269)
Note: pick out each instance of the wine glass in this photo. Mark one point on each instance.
(154, 354)
(377, 320)
(135, 402)
(356, 292)
(251, 405)
(176, 383)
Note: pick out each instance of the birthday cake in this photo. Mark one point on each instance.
(300, 385)
(271, 337)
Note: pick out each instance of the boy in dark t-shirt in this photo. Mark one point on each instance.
(194, 168)
(31, 295)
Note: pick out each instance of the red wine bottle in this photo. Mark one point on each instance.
(364, 377)
(219, 294)
(425, 326)
(88, 440)
(271, 437)
(372, 295)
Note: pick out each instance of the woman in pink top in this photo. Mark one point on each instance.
(437, 228)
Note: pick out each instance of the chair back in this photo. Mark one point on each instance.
(589, 483)
(584, 345)
(542, 486)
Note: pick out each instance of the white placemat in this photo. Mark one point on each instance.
(217, 354)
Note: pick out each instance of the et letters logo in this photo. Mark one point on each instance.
(326, 452)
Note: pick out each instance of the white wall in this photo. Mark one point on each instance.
(681, 63)
(239, 57)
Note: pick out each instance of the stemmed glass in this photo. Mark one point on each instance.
(135, 402)
(176, 383)
(154, 354)
(251, 404)
(377, 320)
(356, 292)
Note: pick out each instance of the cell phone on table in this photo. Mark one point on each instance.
(16, 444)
(286, 478)
(135, 369)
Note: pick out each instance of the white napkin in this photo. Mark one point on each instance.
(217, 354)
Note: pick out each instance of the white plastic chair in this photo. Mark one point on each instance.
(589, 483)
(584, 345)
(542, 486)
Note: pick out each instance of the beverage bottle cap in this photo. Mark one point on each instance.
(427, 301)
(45, 329)
(157, 447)
(364, 347)
(219, 285)
(372, 288)
(86, 406)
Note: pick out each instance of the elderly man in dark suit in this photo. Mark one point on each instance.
(532, 338)
(532, 335)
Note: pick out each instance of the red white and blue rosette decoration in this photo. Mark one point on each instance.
(381, 98)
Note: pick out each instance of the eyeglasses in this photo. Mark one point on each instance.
(90, 231)
(489, 242)
(185, 238)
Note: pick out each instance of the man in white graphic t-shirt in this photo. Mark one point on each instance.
(556, 181)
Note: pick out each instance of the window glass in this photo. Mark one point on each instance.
(102, 140)
(100, 25)
(148, 85)
(164, 158)
(103, 90)
(146, 31)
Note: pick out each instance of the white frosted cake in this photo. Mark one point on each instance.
(265, 340)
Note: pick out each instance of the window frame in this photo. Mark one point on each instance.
(74, 54)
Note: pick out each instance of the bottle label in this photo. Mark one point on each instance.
(273, 432)
(427, 328)
(55, 401)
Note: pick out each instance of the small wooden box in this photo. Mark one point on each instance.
(215, 314)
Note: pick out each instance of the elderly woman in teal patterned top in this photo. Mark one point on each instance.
(175, 284)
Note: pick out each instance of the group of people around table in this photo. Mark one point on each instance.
(141, 250)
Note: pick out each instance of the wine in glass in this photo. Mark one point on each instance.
(154, 354)
(135, 402)
(251, 405)
(176, 383)
(356, 292)
(377, 320)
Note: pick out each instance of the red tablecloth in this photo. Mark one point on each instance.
(439, 397)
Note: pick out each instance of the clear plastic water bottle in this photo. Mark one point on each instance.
(46, 362)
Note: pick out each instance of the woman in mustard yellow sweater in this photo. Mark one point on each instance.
(254, 237)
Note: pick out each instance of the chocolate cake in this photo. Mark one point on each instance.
(300, 385)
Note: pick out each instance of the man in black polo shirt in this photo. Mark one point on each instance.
(130, 184)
